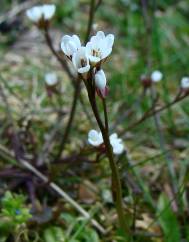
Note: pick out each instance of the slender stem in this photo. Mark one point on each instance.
(55, 53)
(155, 111)
(105, 114)
(70, 121)
(98, 5)
(91, 18)
(116, 184)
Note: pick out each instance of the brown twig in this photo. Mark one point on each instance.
(58, 57)
(70, 121)
(90, 21)
(47, 146)
(56, 188)
(151, 112)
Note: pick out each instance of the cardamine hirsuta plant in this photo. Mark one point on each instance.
(88, 61)
(84, 61)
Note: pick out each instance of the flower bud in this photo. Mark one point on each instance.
(51, 79)
(156, 76)
(51, 82)
(100, 80)
(185, 83)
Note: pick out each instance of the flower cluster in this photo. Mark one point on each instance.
(40, 15)
(95, 139)
(89, 57)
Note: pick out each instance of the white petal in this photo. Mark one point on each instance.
(95, 138)
(82, 52)
(109, 40)
(71, 48)
(92, 133)
(76, 40)
(105, 49)
(106, 52)
(113, 136)
(100, 35)
(66, 38)
(34, 14)
(64, 41)
(48, 11)
(77, 58)
(84, 69)
(94, 59)
(89, 47)
(117, 144)
(118, 149)
(95, 42)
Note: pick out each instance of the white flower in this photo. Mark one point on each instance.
(95, 138)
(51, 79)
(156, 76)
(185, 82)
(99, 46)
(36, 13)
(81, 61)
(100, 79)
(117, 144)
(70, 44)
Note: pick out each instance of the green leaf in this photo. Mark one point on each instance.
(53, 234)
(13, 208)
(168, 220)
